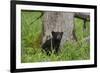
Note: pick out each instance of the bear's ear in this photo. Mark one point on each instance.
(61, 33)
(53, 32)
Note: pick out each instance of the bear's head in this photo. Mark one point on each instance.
(57, 35)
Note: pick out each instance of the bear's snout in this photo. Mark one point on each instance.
(59, 37)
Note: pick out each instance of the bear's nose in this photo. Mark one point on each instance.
(58, 37)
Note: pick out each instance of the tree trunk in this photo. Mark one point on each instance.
(58, 22)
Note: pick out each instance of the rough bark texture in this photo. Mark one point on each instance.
(58, 22)
(84, 16)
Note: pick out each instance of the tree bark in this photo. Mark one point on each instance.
(58, 22)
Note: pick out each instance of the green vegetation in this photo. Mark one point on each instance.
(31, 30)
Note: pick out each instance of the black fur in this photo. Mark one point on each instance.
(55, 40)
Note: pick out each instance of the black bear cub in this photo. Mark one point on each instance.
(53, 43)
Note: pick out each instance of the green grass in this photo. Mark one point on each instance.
(31, 30)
